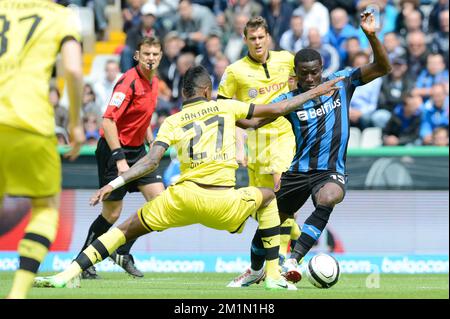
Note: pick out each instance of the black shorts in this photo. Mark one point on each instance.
(297, 187)
(107, 169)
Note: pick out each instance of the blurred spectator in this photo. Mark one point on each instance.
(219, 69)
(213, 48)
(172, 46)
(435, 73)
(434, 113)
(61, 113)
(165, 11)
(91, 128)
(392, 87)
(406, 8)
(330, 56)
(392, 45)
(61, 135)
(352, 47)
(413, 23)
(184, 62)
(194, 23)
(278, 15)
(104, 87)
(440, 136)
(440, 38)
(347, 5)
(249, 8)
(416, 53)
(433, 18)
(340, 31)
(146, 28)
(98, 7)
(131, 14)
(365, 99)
(234, 45)
(314, 14)
(89, 102)
(404, 125)
(386, 16)
(293, 40)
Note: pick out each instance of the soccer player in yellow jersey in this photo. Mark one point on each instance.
(32, 32)
(260, 77)
(204, 135)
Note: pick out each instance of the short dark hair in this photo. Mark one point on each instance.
(307, 55)
(195, 77)
(151, 41)
(255, 23)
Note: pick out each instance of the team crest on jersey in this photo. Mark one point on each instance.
(117, 99)
(252, 93)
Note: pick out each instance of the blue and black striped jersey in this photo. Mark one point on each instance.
(321, 126)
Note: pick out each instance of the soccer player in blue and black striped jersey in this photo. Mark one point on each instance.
(321, 129)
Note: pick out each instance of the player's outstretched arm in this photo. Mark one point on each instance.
(145, 165)
(287, 106)
(380, 65)
(73, 72)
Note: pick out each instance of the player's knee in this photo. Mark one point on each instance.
(330, 196)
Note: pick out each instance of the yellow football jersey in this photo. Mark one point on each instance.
(31, 34)
(250, 81)
(204, 135)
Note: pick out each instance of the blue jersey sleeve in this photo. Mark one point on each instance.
(352, 77)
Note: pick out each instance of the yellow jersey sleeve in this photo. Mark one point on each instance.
(228, 84)
(241, 110)
(31, 33)
(166, 133)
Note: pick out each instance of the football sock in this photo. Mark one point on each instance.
(295, 234)
(98, 228)
(269, 229)
(100, 249)
(285, 235)
(125, 249)
(39, 234)
(257, 252)
(311, 230)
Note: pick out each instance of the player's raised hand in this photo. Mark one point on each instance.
(101, 195)
(325, 88)
(368, 23)
(77, 138)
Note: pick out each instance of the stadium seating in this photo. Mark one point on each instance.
(371, 137)
(355, 137)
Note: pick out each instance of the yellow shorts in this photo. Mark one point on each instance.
(187, 203)
(275, 156)
(30, 164)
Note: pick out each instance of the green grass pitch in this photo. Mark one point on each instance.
(212, 286)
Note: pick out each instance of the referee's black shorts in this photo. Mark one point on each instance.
(296, 187)
(107, 169)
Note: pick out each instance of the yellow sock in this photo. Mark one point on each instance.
(39, 234)
(269, 227)
(23, 280)
(285, 235)
(295, 231)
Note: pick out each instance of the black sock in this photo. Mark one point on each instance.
(311, 230)
(257, 252)
(98, 228)
(125, 248)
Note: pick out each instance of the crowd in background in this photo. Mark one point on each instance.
(410, 104)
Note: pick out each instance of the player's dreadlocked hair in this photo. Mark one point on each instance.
(307, 55)
(196, 77)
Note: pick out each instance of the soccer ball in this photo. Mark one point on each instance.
(323, 271)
